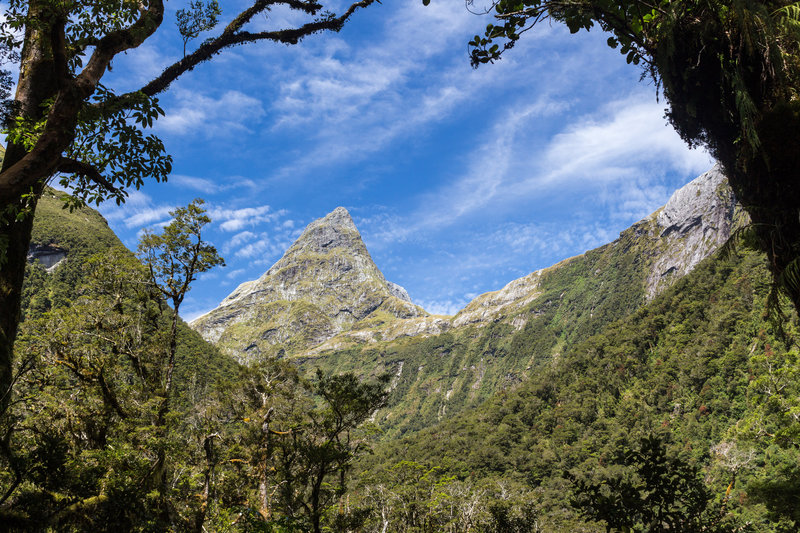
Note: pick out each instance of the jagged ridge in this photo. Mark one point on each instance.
(669, 243)
(445, 364)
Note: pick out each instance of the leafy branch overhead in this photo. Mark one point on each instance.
(96, 126)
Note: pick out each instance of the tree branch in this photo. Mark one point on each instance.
(81, 506)
(232, 36)
(73, 166)
(62, 118)
(119, 41)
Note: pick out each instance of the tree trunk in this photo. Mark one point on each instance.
(37, 83)
(17, 235)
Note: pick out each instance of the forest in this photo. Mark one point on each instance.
(676, 413)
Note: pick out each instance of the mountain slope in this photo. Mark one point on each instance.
(696, 367)
(696, 220)
(324, 284)
(504, 337)
(65, 240)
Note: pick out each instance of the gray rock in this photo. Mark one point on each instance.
(398, 291)
(49, 256)
(695, 221)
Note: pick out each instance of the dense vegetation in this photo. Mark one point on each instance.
(82, 234)
(122, 419)
(691, 398)
(681, 415)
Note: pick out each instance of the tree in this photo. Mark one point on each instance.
(83, 426)
(316, 457)
(730, 72)
(648, 488)
(174, 258)
(95, 427)
(285, 446)
(65, 122)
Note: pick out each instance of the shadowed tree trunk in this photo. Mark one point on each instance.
(36, 84)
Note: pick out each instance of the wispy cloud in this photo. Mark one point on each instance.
(617, 143)
(211, 186)
(204, 185)
(360, 99)
(443, 307)
(618, 155)
(238, 240)
(195, 113)
(235, 273)
(139, 210)
(238, 219)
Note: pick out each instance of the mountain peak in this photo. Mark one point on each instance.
(324, 284)
(339, 217)
(335, 230)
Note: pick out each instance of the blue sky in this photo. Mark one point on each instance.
(459, 180)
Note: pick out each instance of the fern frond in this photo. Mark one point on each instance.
(744, 237)
(789, 279)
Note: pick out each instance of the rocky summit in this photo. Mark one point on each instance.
(326, 283)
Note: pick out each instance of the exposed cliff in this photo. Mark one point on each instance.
(696, 220)
(324, 284)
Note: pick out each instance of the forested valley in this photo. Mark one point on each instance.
(649, 384)
(678, 416)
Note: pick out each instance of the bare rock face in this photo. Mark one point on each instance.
(324, 284)
(48, 255)
(696, 220)
(487, 307)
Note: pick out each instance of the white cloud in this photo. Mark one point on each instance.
(443, 307)
(627, 136)
(254, 249)
(235, 273)
(619, 155)
(239, 239)
(238, 219)
(194, 113)
(138, 210)
(203, 185)
(358, 99)
(265, 250)
(147, 216)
